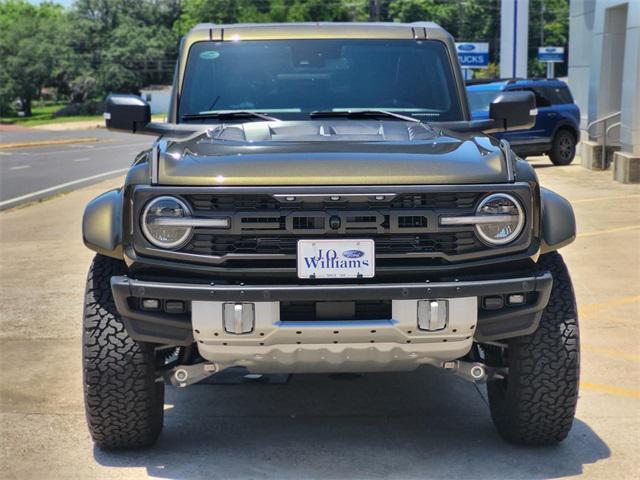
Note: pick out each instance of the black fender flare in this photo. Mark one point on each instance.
(558, 221)
(566, 125)
(102, 224)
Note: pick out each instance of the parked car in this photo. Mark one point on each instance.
(319, 201)
(557, 128)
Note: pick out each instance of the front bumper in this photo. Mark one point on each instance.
(276, 346)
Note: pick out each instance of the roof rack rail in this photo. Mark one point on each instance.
(480, 81)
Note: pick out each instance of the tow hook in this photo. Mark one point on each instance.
(474, 371)
(185, 375)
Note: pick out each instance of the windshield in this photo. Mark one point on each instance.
(479, 100)
(290, 79)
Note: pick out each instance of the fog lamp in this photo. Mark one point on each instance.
(151, 304)
(516, 299)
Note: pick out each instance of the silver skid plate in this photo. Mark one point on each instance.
(273, 346)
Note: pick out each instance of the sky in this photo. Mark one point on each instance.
(66, 3)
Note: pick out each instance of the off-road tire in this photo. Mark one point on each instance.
(124, 403)
(536, 403)
(563, 148)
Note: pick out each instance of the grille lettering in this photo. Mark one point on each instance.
(345, 222)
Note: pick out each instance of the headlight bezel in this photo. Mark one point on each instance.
(513, 236)
(145, 229)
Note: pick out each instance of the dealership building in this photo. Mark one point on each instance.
(604, 76)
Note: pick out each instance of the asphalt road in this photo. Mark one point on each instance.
(33, 173)
(414, 425)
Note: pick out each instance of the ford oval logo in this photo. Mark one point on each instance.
(550, 49)
(352, 253)
(466, 47)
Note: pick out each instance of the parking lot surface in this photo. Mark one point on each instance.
(424, 424)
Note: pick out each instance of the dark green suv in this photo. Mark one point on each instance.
(321, 201)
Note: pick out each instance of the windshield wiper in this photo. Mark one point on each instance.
(222, 114)
(361, 113)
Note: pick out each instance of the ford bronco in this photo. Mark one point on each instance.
(320, 200)
(557, 128)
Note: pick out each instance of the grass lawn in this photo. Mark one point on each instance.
(43, 115)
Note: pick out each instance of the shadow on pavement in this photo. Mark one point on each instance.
(551, 165)
(425, 424)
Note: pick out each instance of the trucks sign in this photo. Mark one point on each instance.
(551, 54)
(473, 55)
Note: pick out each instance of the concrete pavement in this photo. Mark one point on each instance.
(425, 424)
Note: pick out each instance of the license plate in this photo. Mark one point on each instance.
(336, 258)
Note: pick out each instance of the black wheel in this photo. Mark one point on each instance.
(536, 403)
(123, 401)
(563, 149)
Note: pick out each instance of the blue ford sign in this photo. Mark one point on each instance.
(353, 254)
(551, 54)
(473, 55)
(466, 47)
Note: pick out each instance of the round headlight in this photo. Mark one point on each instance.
(509, 219)
(161, 220)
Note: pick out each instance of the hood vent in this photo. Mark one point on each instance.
(319, 131)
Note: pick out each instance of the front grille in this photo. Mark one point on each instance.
(446, 243)
(400, 225)
(265, 227)
(266, 203)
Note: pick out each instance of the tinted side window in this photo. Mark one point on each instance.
(558, 95)
(541, 99)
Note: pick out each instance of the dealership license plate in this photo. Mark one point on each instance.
(336, 258)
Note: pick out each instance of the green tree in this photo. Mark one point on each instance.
(326, 11)
(261, 11)
(136, 55)
(548, 26)
(32, 50)
(466, 20)
(123, 45)
(220, 12)
(479, 20)
(100, 46)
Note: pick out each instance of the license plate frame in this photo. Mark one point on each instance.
(314, 259)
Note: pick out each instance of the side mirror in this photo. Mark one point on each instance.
(131, 114)
(514, 110)
(127, 113)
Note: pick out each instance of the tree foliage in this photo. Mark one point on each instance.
(32, 50)
(548, 26)
(124, 44)
(466, 20)
(101, 46)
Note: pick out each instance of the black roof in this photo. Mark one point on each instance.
(481, 81)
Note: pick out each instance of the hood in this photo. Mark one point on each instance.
(334, 152)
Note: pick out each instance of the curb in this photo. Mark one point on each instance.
(45, 143)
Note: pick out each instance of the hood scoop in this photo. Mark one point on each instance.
(321, 131)
(331, 152)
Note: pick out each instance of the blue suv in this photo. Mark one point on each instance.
(557, 128)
